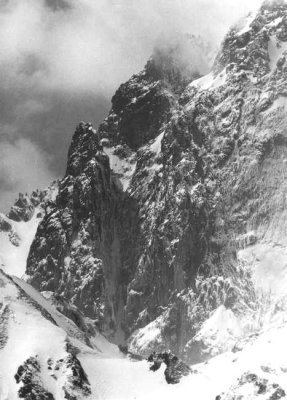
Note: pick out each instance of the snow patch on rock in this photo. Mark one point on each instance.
(244, 24)
(124, 168)
(13, 258)
(155, 147)
(220, 332)
(146, 339)
(275, 49)
(210, 81)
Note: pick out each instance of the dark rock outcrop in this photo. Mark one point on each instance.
(4, 318)
(32, 387)
(175, 368)
(80, 239)
(6, 226)
(144, 103)
(24, 207)
(77, 384)
(256, 385)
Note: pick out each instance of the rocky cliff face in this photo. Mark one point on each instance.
(183, 210)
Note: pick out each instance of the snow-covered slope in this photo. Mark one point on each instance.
(55, 361)
(26, 334)
(14, 253)
(18, 228)
(33, 329)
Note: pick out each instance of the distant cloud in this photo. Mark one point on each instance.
(23, 166)
(61, 60)
(82, 45)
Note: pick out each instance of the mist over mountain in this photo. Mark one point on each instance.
(61, 61)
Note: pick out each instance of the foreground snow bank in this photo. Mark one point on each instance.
(32, 327)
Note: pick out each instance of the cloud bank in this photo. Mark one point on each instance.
(14, 171)
(61, 60)
(87, 45)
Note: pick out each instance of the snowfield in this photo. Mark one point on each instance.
(36, 328)
(30, 331)
(123, 168)
(209, 81)
(31, 326)
(113, 376)
(248, 346)
(28, 334)
(13, 258)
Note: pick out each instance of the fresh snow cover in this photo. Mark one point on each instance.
(53, 192)
(63, 322)
(114, 377)
(121, 379)
(276, 22)
(155, 167)
(280, 102)
(29, 334)
(244, 24)
(221, 331)
(99, 342)
(123, 167)
(145, 338)
(13, 258)
(269, 349)
(276, 50)
(155, 147)
(210, 81)
(269, 267)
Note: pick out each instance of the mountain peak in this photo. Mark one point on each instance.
(180, 61)
(167, 234)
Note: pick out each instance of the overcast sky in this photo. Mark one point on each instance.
(61, 61)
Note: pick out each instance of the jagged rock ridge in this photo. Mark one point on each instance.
(84, 227)
(152, 235)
